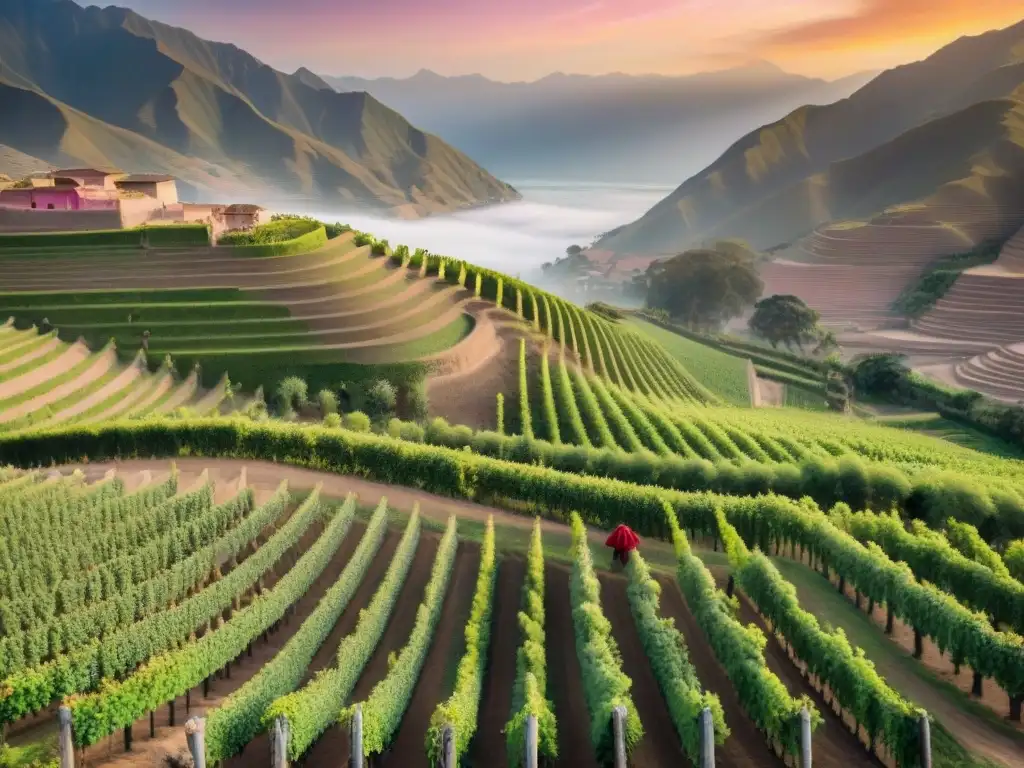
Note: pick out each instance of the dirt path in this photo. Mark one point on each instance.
(184, 392)
(332, 747)
(168, 740)
(745, 747)
(160, 388)
(122, 381)
(771, 394)
(211, 400)
(565, 682)
(437, 677)
(660, 746)
(469, 376)
(488, 747)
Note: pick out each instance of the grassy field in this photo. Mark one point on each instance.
(724, 374)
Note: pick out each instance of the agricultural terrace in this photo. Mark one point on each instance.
(282, 603)
(399, 588)
(331, 305)
(46, 382)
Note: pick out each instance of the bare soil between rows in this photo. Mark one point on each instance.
(331, 749)
(488, 748)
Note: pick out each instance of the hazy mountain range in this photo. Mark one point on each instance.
(610, 128)
(107, 87)
(948, 129)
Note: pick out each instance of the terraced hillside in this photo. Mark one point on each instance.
(45, 382)
(340, 312)
(985, 303)
(258, 318)
(853, 272)
(294, 595)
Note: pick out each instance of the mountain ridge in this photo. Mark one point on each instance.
(807, 153)
(599, 128)
(215, 103)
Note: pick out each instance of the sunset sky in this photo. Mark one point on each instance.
(527, 39)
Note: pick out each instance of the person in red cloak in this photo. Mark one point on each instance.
(622, 541)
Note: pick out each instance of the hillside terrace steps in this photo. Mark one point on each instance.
(1011, 258)
(985, 304)
(910, 342)
(998, 373)
(851, 274)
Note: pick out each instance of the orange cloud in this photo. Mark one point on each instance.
(877, 23)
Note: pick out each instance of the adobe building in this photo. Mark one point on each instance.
(107, 198)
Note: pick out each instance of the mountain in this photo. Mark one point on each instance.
(950, 127)
(17, 165)
(609, 128)
(91, 86)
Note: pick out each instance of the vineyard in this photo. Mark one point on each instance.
(289, 606)
(45, 382)
(438, 592)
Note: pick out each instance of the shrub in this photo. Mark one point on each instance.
(412, 432)
(416, 402)
(332, 421)
(278, 231)
(292, 393)
(357, 421)
(328, 402)
(381, 398)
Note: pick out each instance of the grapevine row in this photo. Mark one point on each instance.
(463, 706)
(529, 693)
(170, 675)
(605, 685)
(239, 718)
(740, 650)
(852, 679)
(71, 630)
(665, 647)
(116, 655)
(313, 709)
(387, 702)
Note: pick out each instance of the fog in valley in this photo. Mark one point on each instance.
(515, 238)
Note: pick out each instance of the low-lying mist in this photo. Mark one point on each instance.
(515, 238)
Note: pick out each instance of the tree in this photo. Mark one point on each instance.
(328, 402)
(881, 374)
(381, 399)
(703, 288)
(292, 393)
(787, 320)
(573, 250)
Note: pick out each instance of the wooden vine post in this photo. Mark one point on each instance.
(805, 738)
(66, 743)
(279, 743)
(619, 735)
(195, 734)
(357, 738)
(531, 741)
(707, 739)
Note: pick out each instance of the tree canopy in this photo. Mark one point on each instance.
(785, 319)
(706, 287)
